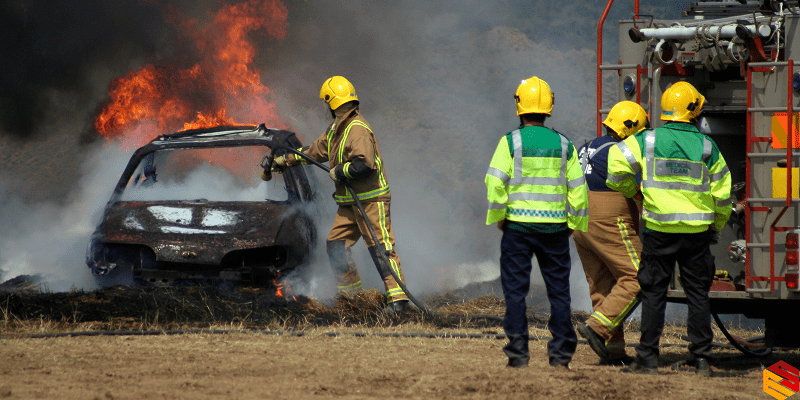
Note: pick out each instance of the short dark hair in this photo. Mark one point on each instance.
(533, 117)
(350, 105)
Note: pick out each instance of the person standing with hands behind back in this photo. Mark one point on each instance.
(537, 197)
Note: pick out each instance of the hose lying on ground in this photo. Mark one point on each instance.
(753, 352)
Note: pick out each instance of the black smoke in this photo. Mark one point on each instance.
(58, 46)
(435, 80)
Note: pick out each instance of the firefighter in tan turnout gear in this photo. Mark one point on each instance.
(609, 250)
(352, 150)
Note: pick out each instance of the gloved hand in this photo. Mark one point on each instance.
(333, 175)
(714, 236)
(279, 164)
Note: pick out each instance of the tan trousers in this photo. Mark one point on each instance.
(349, 225)
(609, 252)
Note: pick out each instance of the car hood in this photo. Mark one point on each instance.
(214, 227)
(195, 218)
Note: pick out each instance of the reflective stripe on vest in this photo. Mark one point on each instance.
(662, 167)
(498, 174)
(331, 132)
(632, 161)
(626, 151)
(719, 175)
(519, 179)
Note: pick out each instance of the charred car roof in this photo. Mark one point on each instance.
(222, 136)
(156, 241)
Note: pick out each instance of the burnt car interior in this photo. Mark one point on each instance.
(191, 208)
(187, 174)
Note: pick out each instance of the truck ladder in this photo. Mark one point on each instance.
(767, 67)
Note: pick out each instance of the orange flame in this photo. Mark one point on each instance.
(280, 287)
(220, 88)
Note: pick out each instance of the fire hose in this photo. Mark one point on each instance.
(743, 345)
(380, 258)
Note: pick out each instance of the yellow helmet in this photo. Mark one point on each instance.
(681, 102)
(534, 97)
(626, 118)
(336, 91)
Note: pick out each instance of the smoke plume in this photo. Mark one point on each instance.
(435, 81)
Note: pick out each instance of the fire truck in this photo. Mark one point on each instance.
(742, 56)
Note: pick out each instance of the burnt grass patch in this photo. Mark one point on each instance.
(180, 307)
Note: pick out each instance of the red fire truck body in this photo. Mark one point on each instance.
(743, 57)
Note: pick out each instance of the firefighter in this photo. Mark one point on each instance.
(352, 150)
(537, 197)
(686, 188)
(609, 250)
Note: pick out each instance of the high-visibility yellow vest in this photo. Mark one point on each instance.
(535, 176)
(685, 181)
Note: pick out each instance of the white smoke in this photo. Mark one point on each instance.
(49, 239)
(435, 80)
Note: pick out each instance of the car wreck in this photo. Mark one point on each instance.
(191, 207)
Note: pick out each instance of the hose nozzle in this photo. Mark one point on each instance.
(266, 164)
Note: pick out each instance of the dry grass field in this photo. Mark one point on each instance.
(188, 343)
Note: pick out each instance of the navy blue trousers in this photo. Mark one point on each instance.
(552, 252)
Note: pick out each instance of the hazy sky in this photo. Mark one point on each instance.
(435, 80)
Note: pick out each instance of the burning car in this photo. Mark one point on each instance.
(192, 207)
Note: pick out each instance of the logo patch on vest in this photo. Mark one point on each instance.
(679, 168)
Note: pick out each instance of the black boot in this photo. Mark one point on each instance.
(517, 351)
(595, 341)
(397, 307)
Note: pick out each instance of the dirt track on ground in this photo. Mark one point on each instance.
(259, 366)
